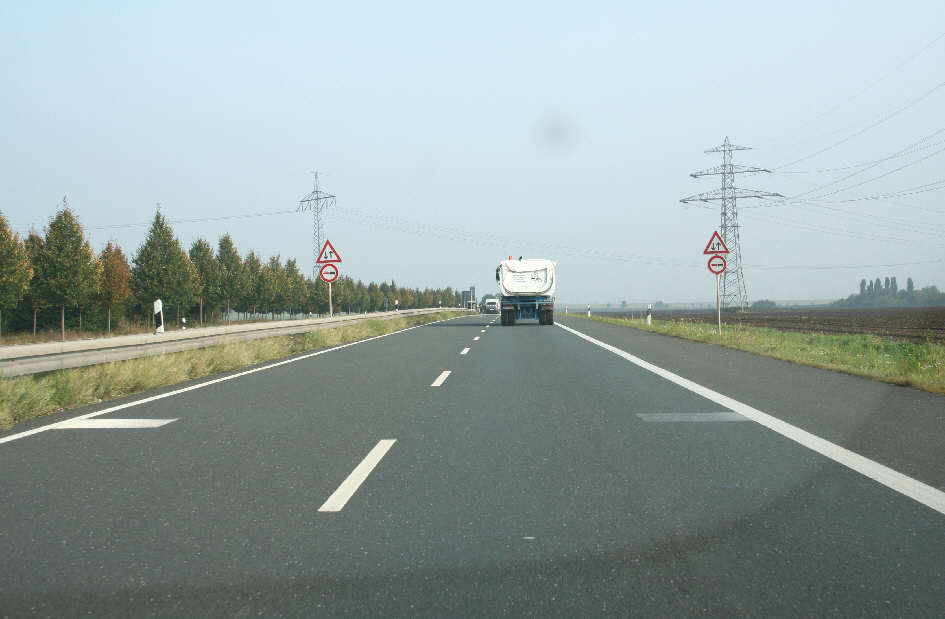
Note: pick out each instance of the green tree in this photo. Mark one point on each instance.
(233, 281)
(115, 277)
(162, 269)
(15, 269)
(295, 286)
(69, 271)
(251, 283)
(34, 297)
(210, 274)
(273, 286)
(184, 279)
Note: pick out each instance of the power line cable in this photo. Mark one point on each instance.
(923, 228)
(807, 267)
(909, 191)
(191, 220)
(833, 231)
(902, 153)
(883, 175)
(872, 125)
(871, 84)
(457, 234)
(912, 191)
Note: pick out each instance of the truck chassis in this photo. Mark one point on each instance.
(523, 307)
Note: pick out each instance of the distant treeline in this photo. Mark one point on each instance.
(55, 281)
(886, 293)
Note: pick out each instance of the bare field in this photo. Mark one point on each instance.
(917, 324)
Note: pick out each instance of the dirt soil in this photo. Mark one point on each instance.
(909, 323)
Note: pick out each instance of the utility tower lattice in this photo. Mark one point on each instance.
(316, 201)
(733, 291)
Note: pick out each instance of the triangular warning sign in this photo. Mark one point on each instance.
(716, 245)
(328, 254)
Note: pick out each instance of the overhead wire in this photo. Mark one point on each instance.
(883, 175)
(889, 116)
(871, 84)
(901, 153)
(145, 224)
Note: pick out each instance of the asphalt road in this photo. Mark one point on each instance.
(544, 475)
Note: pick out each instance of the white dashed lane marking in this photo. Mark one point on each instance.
(441, 378)
(351, 484)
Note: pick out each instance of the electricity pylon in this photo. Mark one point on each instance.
(733, 291)
(316, 200)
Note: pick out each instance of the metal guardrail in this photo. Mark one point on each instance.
(46, 357)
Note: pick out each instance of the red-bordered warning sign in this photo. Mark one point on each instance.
(717, 264)
(328, 273)
(716, 245)
(328, 254)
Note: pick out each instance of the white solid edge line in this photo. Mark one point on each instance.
(441, 378)
(903, 484)
(161, 396)
(464, 351)
(351, 483)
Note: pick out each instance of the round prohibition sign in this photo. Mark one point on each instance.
(328, 273)
(717, 264)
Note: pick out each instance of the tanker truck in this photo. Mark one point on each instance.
(527, 287)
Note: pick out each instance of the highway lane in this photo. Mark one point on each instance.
(538, 478)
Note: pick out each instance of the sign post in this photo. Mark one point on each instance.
(718, 299)
(329, 273)
(715, 248)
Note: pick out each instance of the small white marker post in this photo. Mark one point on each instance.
(158, 317)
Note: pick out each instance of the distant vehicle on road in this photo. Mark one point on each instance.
(527, 287)
(491, 306)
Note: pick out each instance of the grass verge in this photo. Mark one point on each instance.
(913, 364)
(26, 397)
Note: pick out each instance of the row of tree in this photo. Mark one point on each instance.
(56, 277)
(886, 293)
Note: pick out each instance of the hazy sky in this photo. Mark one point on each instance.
(455, 136)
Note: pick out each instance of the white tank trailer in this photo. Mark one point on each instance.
(527, 287)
